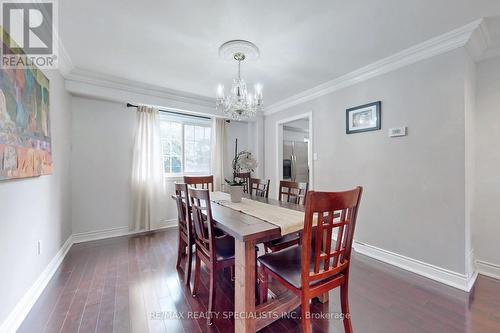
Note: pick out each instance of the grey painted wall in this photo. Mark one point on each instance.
(486, 222)
(101, 160)
(414, 186)
(35, 209)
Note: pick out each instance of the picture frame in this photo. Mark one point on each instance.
(364, 118)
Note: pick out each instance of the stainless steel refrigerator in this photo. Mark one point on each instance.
(295, 161)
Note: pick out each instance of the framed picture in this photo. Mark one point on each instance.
(363, 118)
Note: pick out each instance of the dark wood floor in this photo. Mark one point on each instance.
(130, 284)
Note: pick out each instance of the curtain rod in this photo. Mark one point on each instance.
(129, 105)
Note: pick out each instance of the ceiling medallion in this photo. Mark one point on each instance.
(240, 104)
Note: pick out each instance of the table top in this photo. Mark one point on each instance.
(246, 227)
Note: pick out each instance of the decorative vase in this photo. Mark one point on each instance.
(236, 192)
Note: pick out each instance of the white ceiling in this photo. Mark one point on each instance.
(174, 44)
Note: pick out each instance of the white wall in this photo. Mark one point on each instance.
(103, 137)
(486, 222)
(36, 209)
(414, 186)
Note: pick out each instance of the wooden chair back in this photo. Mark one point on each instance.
(259, 187)
(293, 192)
(183, 208)
(245, 177)
(203, 229)
(203, 182)
(329, 257)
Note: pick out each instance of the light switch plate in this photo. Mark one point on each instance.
(315, 156)
(397, 131)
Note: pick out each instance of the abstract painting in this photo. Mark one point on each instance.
(25, 144)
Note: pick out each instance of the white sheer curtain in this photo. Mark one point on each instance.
(147, 174)
(218, 151)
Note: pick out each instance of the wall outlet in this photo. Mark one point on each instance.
(39, 247)
(397, 131)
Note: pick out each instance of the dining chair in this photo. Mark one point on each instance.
(245, 177)
(291, 192)
(259, 187)
(320, 263)
(185, 243)
(203, 182)
(216, 252)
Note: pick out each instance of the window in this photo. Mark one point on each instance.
(186, 144)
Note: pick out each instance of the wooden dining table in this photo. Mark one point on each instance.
(249, 231)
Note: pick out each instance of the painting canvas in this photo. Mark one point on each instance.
(25, 144)
(363, 118)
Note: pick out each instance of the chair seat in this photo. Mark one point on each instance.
(287, 265)
(224, 248)
(290, 238)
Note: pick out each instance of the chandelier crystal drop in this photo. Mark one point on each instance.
(240, 104)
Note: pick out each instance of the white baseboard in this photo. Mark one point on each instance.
(472, 280)
(471, 269)
(23, 307)
(488, 269)
(100, 234)
(116, 232)
(453, 279)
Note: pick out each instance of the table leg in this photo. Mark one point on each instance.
(244, 287)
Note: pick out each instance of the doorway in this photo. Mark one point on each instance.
(294, 143)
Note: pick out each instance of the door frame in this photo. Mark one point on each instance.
(279, 147)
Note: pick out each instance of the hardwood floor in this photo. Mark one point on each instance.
(130, 284)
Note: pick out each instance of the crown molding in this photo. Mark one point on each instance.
(83, 82)
(428, 49)
(479, 42)
(485, 43)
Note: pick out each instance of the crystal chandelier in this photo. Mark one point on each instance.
(240, 104)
